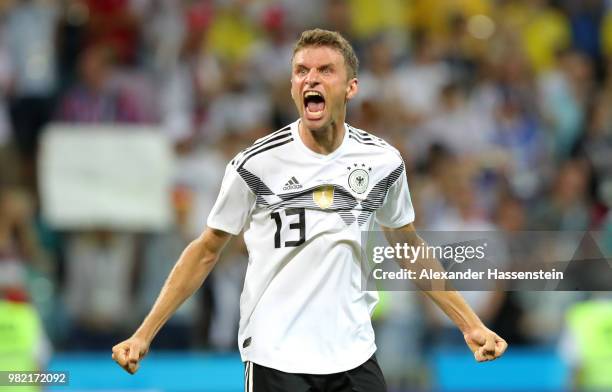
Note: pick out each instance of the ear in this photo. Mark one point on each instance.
(352, 88)
(291, 88)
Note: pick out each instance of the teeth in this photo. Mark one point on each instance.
(312, 94)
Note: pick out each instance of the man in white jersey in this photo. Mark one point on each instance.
(302, 196)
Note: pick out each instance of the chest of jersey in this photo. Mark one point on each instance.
(352, 185)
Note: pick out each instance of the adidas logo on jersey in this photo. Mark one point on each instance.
(292, 184)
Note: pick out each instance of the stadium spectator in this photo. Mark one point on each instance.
(585, 342)
(99, 287)
(566, 91)
(20, 248)
(242, 108)
(191, 80)
(95, 97)
(24, 345)
(30, 35)
(114, 24)
(422, 79)
(568, 206)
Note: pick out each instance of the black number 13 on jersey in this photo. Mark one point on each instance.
(299, 225)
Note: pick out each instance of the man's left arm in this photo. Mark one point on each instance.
(484, 343)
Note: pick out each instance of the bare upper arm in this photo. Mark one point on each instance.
(214, 240)
(406, 233)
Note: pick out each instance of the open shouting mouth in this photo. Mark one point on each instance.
(314, 104)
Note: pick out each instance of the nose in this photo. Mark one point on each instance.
(312, 79)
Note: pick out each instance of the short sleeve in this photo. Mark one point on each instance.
(234, 203)
(396, 210)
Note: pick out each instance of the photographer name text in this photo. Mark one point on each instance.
(469, 274)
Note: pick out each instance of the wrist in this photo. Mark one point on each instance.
(471, 326)
(144, 335)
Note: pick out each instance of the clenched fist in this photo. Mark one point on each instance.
(129, 353)
(485, 344)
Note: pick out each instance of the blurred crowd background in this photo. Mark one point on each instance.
(502, 110)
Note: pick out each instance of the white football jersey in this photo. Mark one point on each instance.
(302, 309)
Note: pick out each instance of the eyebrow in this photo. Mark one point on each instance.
(328, 65)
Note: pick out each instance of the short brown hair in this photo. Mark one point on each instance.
(333, 39)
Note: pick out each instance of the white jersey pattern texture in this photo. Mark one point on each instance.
(302, 308)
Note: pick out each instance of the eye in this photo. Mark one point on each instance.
(301, 71)
(326, 71)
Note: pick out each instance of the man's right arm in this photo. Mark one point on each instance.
(188, 274)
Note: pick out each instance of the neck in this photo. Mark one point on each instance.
(322, 141)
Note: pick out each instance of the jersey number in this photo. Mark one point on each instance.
(299, 225)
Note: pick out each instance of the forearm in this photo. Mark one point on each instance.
(188, 274)
(439, 290)
(444, 296)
